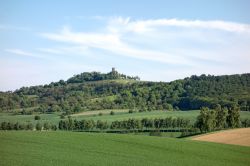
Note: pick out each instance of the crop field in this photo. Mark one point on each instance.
(76, 148)
(234, 136)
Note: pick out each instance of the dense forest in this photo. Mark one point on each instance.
(95, 91)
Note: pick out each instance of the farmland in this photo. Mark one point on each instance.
(235, 137)
(119, 115)
(76, 148)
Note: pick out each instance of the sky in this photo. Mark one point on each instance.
(157, 40)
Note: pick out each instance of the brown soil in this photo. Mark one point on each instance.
(235, 136)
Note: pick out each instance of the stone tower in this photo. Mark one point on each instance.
(113, 70)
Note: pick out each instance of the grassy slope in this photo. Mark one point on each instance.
(69, 148)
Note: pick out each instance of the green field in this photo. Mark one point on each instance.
(7, 117)
(139, 115)
(76, 148)
(119, 115)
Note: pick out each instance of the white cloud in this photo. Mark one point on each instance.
(113, 43)
(142, 26)
(20, 52)
(201, 46)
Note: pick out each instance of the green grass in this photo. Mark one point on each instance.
(89, 149)
(119, 115)
(191, 115)
(8, 117)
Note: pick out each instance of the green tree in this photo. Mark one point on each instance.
(102, 125)
(37, 117)
(221, 116)
(46, 126)
(233, 119)
(206, 121)
(29, 126)
(39, 126)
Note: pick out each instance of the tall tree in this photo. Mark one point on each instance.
(233, 119)
(221, 116)
(206, 121)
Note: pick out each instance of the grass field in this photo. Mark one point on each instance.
(72, 148)
(139, 115)
(119, 115)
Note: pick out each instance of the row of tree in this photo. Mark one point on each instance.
(218, 118)
(27, 126)
(130, 124)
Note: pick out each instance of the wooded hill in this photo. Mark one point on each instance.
(94, 91)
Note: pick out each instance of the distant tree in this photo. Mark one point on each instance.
(168, 107)
(29, 126)
(62, 116)
(16, 126)
(38, 127)
(130, 111)
(102, 125)
(54, 127)
(4, 125)
(77, 108)
(22, 126)
(37, 117)
(46, 126)
(62, 125)
(112, 113)
(10, 126)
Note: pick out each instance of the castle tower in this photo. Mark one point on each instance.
(113, 70)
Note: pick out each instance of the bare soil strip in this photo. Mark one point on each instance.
(234, 136)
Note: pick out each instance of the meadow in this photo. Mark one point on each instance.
(78, 148)
(54, 118)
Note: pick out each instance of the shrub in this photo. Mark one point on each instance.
(130, 111)
(38, 127)
(37, 117)
(112, 113)
(29, 126)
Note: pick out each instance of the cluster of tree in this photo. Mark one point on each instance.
(27, 126)
(130, 124)
(218, 118)
(97, 76)
(84, 92)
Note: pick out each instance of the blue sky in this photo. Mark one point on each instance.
(45, 41)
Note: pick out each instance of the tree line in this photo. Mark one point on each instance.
(208, 120)
(220, 118)
(130, 124)
(27, 126)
